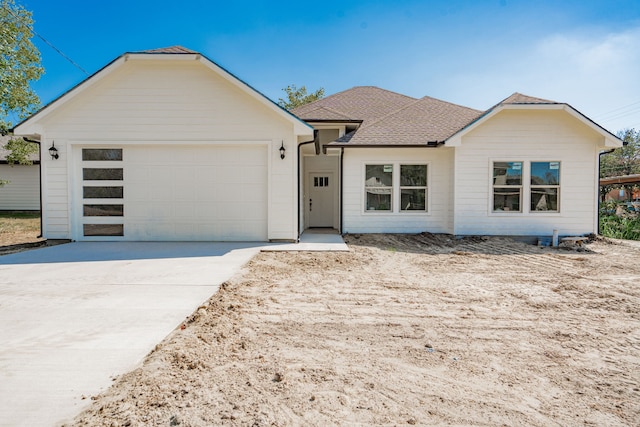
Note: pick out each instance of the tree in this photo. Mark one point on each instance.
(297, 97)
(19, 66)
(622, 161)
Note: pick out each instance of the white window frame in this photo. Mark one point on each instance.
(526, 188)
(505, 186)
(410, 187)
(557, 187)
(396, 188)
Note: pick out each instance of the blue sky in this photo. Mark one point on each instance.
(474, 53)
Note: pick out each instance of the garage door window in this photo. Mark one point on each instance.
(102, 174)
(103, 210)
(101, 154)
(102, 192)
(103, 230)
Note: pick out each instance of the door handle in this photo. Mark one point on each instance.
(310, 205)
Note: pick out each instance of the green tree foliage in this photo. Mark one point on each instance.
(299, 96)
(19, 66)
(624, 160)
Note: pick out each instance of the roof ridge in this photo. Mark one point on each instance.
(397, 110)
(451, 103)
(169, 49)
(333, 95)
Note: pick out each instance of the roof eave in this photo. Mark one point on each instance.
(610, 140)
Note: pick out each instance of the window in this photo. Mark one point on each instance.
(113, 154)
(413, 188)
(507, 186)
(103, 210)
(396, 188)
(378, 187)
(545, 186)
(103, 229)
(320, 181)
(102, 192)
(101, 174)
(538, 183)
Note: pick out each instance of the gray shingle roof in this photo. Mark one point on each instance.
(389, 118)
(392, 119)
(423, 121)
(359, 103)
(518, 98)
(169, 49)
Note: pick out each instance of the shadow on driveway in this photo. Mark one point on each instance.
(123, 251)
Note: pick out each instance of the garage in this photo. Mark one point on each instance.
(184, 192)
(165, 145)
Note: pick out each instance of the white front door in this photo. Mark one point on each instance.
(321, 197)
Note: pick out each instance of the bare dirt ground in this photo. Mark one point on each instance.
(19, 231)
(402, 330)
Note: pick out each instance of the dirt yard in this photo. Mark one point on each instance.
(19, 231)
(402, 330)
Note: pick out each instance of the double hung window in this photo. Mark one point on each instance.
(518, 184)
(396, 188)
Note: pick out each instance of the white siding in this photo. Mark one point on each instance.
(165, 103)
(519, 135)
(23, 190)
(436, 220)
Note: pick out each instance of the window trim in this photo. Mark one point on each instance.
(505, 186)
(557, 187)
(526, 188)
(391, 188)
(396, 188)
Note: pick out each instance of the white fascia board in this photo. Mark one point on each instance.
(609, 139)
(300, 128)
(31, 127)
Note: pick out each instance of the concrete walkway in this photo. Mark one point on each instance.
(74, 316)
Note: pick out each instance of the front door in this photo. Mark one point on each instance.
(321, 197)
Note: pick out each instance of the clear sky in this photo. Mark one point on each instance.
(470, 52)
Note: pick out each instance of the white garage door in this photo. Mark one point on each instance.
(207, 193)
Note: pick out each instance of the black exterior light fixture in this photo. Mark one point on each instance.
(53, 151)
(282, 150)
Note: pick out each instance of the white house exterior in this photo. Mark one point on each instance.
(480, 173)
(167, 145)
(22, 191)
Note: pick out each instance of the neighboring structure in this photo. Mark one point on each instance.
(167, 145)
(22, 192)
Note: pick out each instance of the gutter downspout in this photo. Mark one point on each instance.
(39, 179)
(300, 204)
(599, 161)
(341, 188)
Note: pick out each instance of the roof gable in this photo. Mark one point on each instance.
(31, 127)
(520, 101)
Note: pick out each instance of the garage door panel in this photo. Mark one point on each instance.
(196, 193)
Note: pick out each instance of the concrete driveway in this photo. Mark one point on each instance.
(74, 316)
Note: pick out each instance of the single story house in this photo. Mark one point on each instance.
(22, 191)
(167, 145)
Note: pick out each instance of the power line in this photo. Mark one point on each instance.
(620, 112)
(71, 61)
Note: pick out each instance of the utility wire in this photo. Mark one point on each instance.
(71, 61)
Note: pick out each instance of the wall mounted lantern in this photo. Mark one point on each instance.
(282, 150)
(53, 151)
